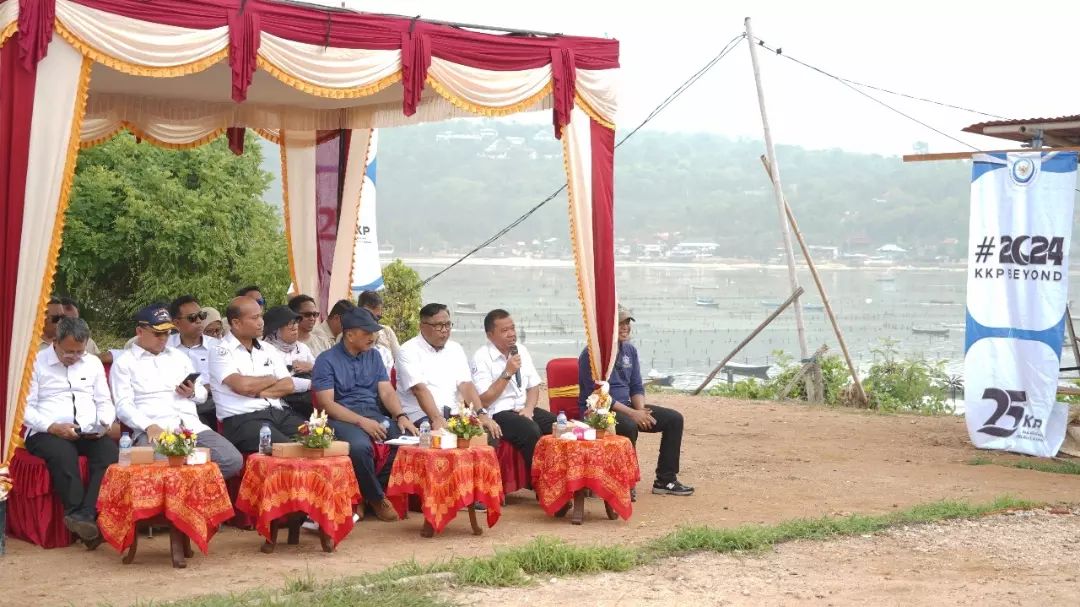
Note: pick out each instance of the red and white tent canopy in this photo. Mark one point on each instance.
(180, 73)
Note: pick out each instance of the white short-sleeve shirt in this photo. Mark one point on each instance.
(442, 371)
(488, 364)
(229, 357)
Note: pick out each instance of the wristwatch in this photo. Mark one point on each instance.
(482, 411)
(506, 376)
(399, 416)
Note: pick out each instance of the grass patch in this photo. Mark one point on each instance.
(1052, 466)
(411, 584)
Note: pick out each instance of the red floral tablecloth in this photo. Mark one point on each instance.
(446, 480)
(608, 466)
(324, 488)
(192, 498)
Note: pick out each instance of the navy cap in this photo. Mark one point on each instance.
(276, 318)
(359, 318)
(156, 317)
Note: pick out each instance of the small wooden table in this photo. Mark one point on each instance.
(447, 480)
(191, 500)
(563, 470)
(282, 492)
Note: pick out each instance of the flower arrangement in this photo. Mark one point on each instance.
(598, 413)
(176, 443)
(316, 432)
(5, 482)
(466, 424)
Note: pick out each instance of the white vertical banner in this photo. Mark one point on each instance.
(1018, 281)
(367, 273)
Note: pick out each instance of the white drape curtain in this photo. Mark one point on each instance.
(298, 170)
(597, 88)
(9, 12)
(577, 152)
(490, 88)
(328, 67)
(142, 43)
(55, 108)
(341, 272)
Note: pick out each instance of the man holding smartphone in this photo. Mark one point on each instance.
(155, 389)
(67, 411)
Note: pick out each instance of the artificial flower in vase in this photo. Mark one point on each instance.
(465, 425)
(176, 445)
(315, 434)
(598, 412)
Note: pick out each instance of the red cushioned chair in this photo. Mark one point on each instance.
(34, 514)
(512, 468)
(562, 385)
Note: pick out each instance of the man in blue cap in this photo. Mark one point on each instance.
(156, 388)
(349, 381)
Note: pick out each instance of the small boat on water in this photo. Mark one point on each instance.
(461, 312)
(886, 278)
(704, 287)
(936, 331)
(464, 305)
(706, 302)
(806, 306)
(747, 370)
(659, 379)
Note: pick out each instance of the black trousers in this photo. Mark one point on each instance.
(300, 403)
(62, 458)
(523, 433)
(243, 430)
(669, 423)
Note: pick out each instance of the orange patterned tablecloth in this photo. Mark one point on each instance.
(446, 480)
(324, 488)
(608, 466)
(192, 498)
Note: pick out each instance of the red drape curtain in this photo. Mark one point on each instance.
(16, 112)
(331, 155)
(603, 215)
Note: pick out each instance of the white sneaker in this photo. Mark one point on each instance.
(310, 525)
(355, 518)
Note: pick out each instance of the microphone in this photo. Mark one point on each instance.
(517, 374)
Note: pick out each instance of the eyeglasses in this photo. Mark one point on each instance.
(440, 326)
(195, 316)
(309, 314)
(55, 318)
(262, 302)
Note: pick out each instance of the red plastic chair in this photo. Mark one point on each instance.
(562, 386)
(35, 515)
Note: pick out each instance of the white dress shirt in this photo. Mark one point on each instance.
(77, 394)
(199, 354)
(144, 388)
(488, 364)
(299, 352)
(442, 371)
(230, 357)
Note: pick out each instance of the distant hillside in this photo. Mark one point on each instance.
(450, 185)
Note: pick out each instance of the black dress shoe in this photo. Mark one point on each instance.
(86, 529)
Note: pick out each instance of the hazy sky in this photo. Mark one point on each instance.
(1014, 59)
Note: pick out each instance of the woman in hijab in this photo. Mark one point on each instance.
(281, 332)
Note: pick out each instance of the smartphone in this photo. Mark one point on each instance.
(190, 379)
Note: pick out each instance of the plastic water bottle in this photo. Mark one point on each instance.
(125, 450)
(386, 428)
(560, 424)
(425, 434)
(266, 446)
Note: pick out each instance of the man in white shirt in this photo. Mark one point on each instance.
(190, 320)
(433, 373)
(71, 310)
(325, 335)
(248, 381)
(509, 386)
(67, 412)
(154, 390)
(54, 313)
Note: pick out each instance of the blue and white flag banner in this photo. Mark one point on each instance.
(1018, 284)
(367, 272)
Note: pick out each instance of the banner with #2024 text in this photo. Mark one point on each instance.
(1018, 282)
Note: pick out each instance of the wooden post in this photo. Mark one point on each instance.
(1072, 336)
(787, 302)
(859, 392)
(782, 394)
(777, 191)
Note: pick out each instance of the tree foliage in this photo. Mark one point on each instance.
(402, 299)
(147, 224)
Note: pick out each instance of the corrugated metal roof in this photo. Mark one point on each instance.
(1057, 132)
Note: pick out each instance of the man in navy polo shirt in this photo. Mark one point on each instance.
(349, 380)
(632, 415)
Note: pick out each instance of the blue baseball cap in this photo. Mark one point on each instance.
(155, 317)
(360, 318)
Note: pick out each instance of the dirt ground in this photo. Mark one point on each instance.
(954, 563)
(751, 463)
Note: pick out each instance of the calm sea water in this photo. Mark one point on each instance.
(676, 336)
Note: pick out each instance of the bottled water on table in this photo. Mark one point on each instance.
(266, 445)
(125, 450)
(560, 424)
(425, 434)
(386, 428)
